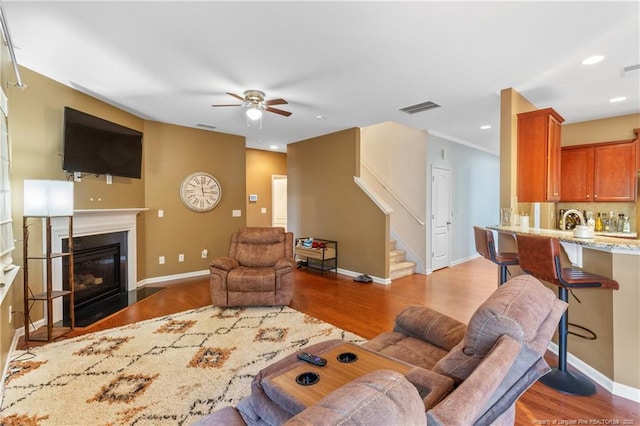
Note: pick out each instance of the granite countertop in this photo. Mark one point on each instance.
(598, 242)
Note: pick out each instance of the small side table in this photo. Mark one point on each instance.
(324, 257)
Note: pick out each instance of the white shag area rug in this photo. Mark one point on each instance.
(165, 371)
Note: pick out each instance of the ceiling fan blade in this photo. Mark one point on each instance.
(236, 96)
(226, 105)
(278, 111)
(278, 101)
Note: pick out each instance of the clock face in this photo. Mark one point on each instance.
(200, 192)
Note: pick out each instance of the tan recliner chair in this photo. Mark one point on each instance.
(258, 270)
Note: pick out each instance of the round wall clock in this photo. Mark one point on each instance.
(200, 191)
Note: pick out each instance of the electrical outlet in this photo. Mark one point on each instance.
(161, 260)
(181, 257)
(10, 312)
(205, 253)
(160, 213)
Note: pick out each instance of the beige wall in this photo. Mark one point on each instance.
(261, 166)
(603, 130)
(172, 153)
(325, 202)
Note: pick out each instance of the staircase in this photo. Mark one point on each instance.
(398, 266)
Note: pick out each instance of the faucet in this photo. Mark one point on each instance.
(564, 218)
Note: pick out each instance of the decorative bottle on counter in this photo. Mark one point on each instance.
(590, 221)
(599, 227)
(626, 227)
(620, 222)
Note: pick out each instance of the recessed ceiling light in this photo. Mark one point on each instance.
(592, 60)
(485, 127)
(274, 147)
(618, 99)
(319, 117)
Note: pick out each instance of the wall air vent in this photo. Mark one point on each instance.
(207, 126)
(630, 70)
(424, 106)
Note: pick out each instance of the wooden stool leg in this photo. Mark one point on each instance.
(560, 378)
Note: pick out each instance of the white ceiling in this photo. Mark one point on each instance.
(353, 63)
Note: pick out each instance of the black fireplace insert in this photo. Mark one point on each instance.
(100, 276)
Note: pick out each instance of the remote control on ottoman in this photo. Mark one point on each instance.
(313, 359)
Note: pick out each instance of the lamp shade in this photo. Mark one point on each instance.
(48, 198)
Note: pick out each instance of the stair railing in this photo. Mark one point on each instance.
(393, 194)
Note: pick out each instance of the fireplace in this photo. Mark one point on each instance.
(100, 276)
(91, 223)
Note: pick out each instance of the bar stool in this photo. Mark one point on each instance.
(540, 257)
(485, 245)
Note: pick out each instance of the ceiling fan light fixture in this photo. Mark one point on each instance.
(254, 112)
(591, 60)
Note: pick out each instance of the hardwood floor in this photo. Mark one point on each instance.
(369, 309)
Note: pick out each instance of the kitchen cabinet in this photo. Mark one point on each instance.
(576, 182)
(599, 172)
(538, 171)
(615, 172)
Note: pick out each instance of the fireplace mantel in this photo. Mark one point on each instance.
(99, 221)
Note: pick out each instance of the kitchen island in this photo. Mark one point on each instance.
(613, 358)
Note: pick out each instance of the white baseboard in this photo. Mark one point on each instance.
(614, 388)
(466, 259)
(155, 280)
(377, 280)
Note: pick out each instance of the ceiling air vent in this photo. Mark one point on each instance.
(424, 106)
(630, 70)
(206, 126)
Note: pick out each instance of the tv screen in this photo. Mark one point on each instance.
(94, 145)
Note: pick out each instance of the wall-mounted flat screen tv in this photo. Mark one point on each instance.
(97, 146)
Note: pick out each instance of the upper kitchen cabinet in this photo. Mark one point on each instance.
(576, 165)
(599, 172)
(615, 171)
(539, 134)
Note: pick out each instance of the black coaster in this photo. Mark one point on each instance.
(307, 379)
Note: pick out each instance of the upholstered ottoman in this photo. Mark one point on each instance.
(275, 397)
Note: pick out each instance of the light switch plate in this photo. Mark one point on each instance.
(236, 213)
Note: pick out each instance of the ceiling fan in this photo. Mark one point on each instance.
(255, 103)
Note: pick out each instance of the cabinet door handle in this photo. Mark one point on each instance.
(587, 195)
(595, 196)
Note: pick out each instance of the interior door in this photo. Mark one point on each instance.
(440, 217)
(279, 200)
